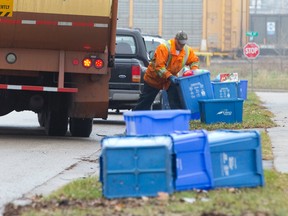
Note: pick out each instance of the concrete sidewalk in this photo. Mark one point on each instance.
(277, 103)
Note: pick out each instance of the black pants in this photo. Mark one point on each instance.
(149, 94)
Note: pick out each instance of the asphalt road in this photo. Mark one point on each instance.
(33, 163)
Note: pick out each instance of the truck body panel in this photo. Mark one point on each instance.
(83, 7)
(42, 51)
(54, 31)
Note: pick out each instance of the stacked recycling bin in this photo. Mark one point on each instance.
(228, 86)
(215, 101)
(160, 154)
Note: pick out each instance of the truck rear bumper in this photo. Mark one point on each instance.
(37, 88)
(123, 95)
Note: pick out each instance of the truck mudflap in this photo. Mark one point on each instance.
(37, 88)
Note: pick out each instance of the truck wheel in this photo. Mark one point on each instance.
(56, 123)
(81, 127)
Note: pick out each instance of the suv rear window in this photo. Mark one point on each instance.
(125, 45)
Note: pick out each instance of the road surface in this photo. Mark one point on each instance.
(33, 163)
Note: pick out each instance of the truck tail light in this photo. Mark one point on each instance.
(99, 63)
(136, 73)
(75, 61)
(87, 62)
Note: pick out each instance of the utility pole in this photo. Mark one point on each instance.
(241, 24)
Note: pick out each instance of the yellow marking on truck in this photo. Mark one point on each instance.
(6, 8)
(68, 7)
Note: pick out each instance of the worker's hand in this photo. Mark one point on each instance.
(174, 80)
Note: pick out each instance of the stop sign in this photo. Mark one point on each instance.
(251, 50)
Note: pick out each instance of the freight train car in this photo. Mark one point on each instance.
(226, 24)
(217, 26)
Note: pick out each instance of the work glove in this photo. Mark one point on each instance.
(174, 80)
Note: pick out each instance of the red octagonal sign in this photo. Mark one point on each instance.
(251, 50)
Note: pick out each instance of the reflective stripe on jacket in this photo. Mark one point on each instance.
(166, 62)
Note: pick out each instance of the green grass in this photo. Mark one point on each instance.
(80, 189)
(267, 200)
(84, 196)
(267, 153)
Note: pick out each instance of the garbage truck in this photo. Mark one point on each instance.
(55, 60)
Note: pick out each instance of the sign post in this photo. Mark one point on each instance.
(251, 51)
(252, 34)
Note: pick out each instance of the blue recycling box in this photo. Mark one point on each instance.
(221, 110)
(136, 166)
(236, 158)
(156, 122)
(242, 89)
(194, 88)
(225, 90)
(193, 162)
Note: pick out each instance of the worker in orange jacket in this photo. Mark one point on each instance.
(169, 58)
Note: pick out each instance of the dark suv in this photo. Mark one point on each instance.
(131, 61)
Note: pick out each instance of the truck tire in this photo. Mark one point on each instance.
(80, 127)
(56, 123)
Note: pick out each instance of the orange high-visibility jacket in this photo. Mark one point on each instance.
(166, 63)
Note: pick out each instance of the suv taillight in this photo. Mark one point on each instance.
(136, 73)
